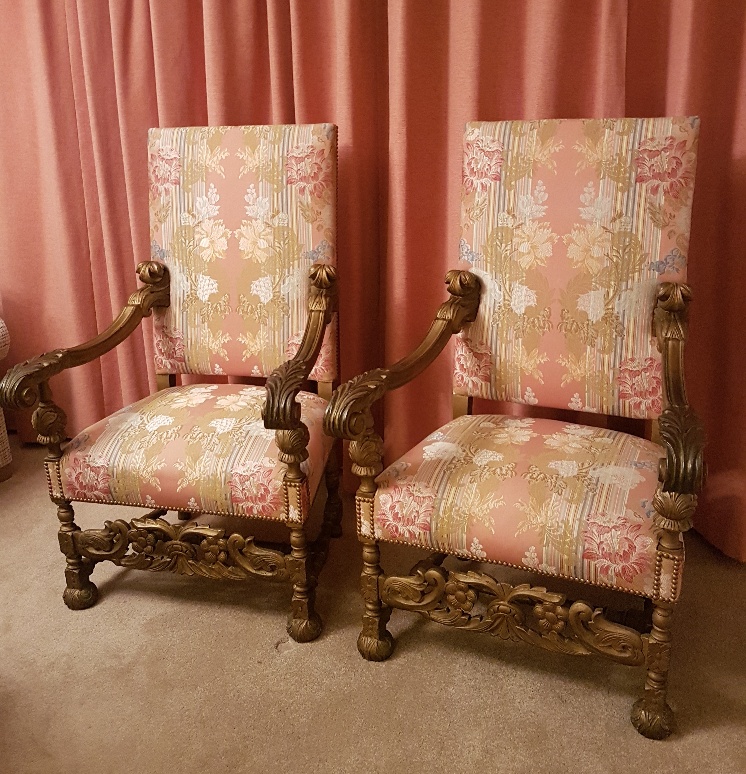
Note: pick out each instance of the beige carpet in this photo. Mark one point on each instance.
(169, 674)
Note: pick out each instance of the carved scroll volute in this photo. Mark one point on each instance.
(465, 289)
(157, 291)
(681, 432)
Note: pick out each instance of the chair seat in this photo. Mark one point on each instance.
(199, 448)
(561, 499)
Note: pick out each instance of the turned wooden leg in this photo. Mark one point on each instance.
(333, 508)
(304, 624)
(80, 593)
(651, 715)
(375, 642)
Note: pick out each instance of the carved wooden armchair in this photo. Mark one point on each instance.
(573, 249)
(240, 218)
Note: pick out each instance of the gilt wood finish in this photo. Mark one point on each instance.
(152, 543)
(476, 601)
(520, 613)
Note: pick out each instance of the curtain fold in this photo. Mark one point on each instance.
(82, 82)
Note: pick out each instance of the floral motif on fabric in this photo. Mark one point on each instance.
(473, 365)
(559, 498)
(621, 548)
(90, 481)
(482, 161)
(570, 229)
(196, 448)
(640, 385)
(164, 169)
(239, 275)
(254, 489)
(308, 169)
(405, 510)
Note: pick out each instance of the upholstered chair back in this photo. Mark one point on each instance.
(571, 225)
(239, 214)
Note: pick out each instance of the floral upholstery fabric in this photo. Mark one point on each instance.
(558, 498)
(239, 214)
(200, 448)
(571, 224)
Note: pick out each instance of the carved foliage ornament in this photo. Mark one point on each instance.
(190, 549)
(520, 613)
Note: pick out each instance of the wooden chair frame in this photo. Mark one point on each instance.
(189, 548)
(529, 613)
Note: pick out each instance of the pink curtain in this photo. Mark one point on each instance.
(81, 82)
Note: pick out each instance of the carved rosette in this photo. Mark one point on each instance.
(187, 549)
(520, 613)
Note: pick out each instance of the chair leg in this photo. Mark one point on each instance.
(333, 508)
(79, 593)
(375, 642)
(304, 623)
(651, 715)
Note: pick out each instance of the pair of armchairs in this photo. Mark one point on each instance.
(569, 295)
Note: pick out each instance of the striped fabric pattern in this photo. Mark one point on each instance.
(561, 499)
(571, 225)
(239, 214)
(198, 448)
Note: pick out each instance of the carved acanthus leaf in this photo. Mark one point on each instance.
(673, 510)
(189, 549)
(521, 613)
(683, 436)
(348, 414)
(281, 409)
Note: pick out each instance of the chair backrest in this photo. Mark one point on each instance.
(571, 225)
(239, 214)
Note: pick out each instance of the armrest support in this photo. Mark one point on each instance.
(349, 412)
(682, 471)
(282, 410)
(27, 383)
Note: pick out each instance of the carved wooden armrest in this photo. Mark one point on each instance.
(349, 412)
(26, 382)
(282, 410)
(682, 470)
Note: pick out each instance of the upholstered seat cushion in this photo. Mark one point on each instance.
(558, 498)
(200, 448)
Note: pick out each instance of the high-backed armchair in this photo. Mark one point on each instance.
(241, 282)
(570, 295)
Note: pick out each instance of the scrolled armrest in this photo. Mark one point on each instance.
(682, 471)
(281, 409)
(348, 414)
(20, 386)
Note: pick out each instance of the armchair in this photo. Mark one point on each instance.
(242, 282)
(570, 295)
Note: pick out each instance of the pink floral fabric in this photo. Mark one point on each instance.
(558, 498)
(240, 214)
(200, 448)
(571, 225)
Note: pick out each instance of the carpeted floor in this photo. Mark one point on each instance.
(169, 674)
